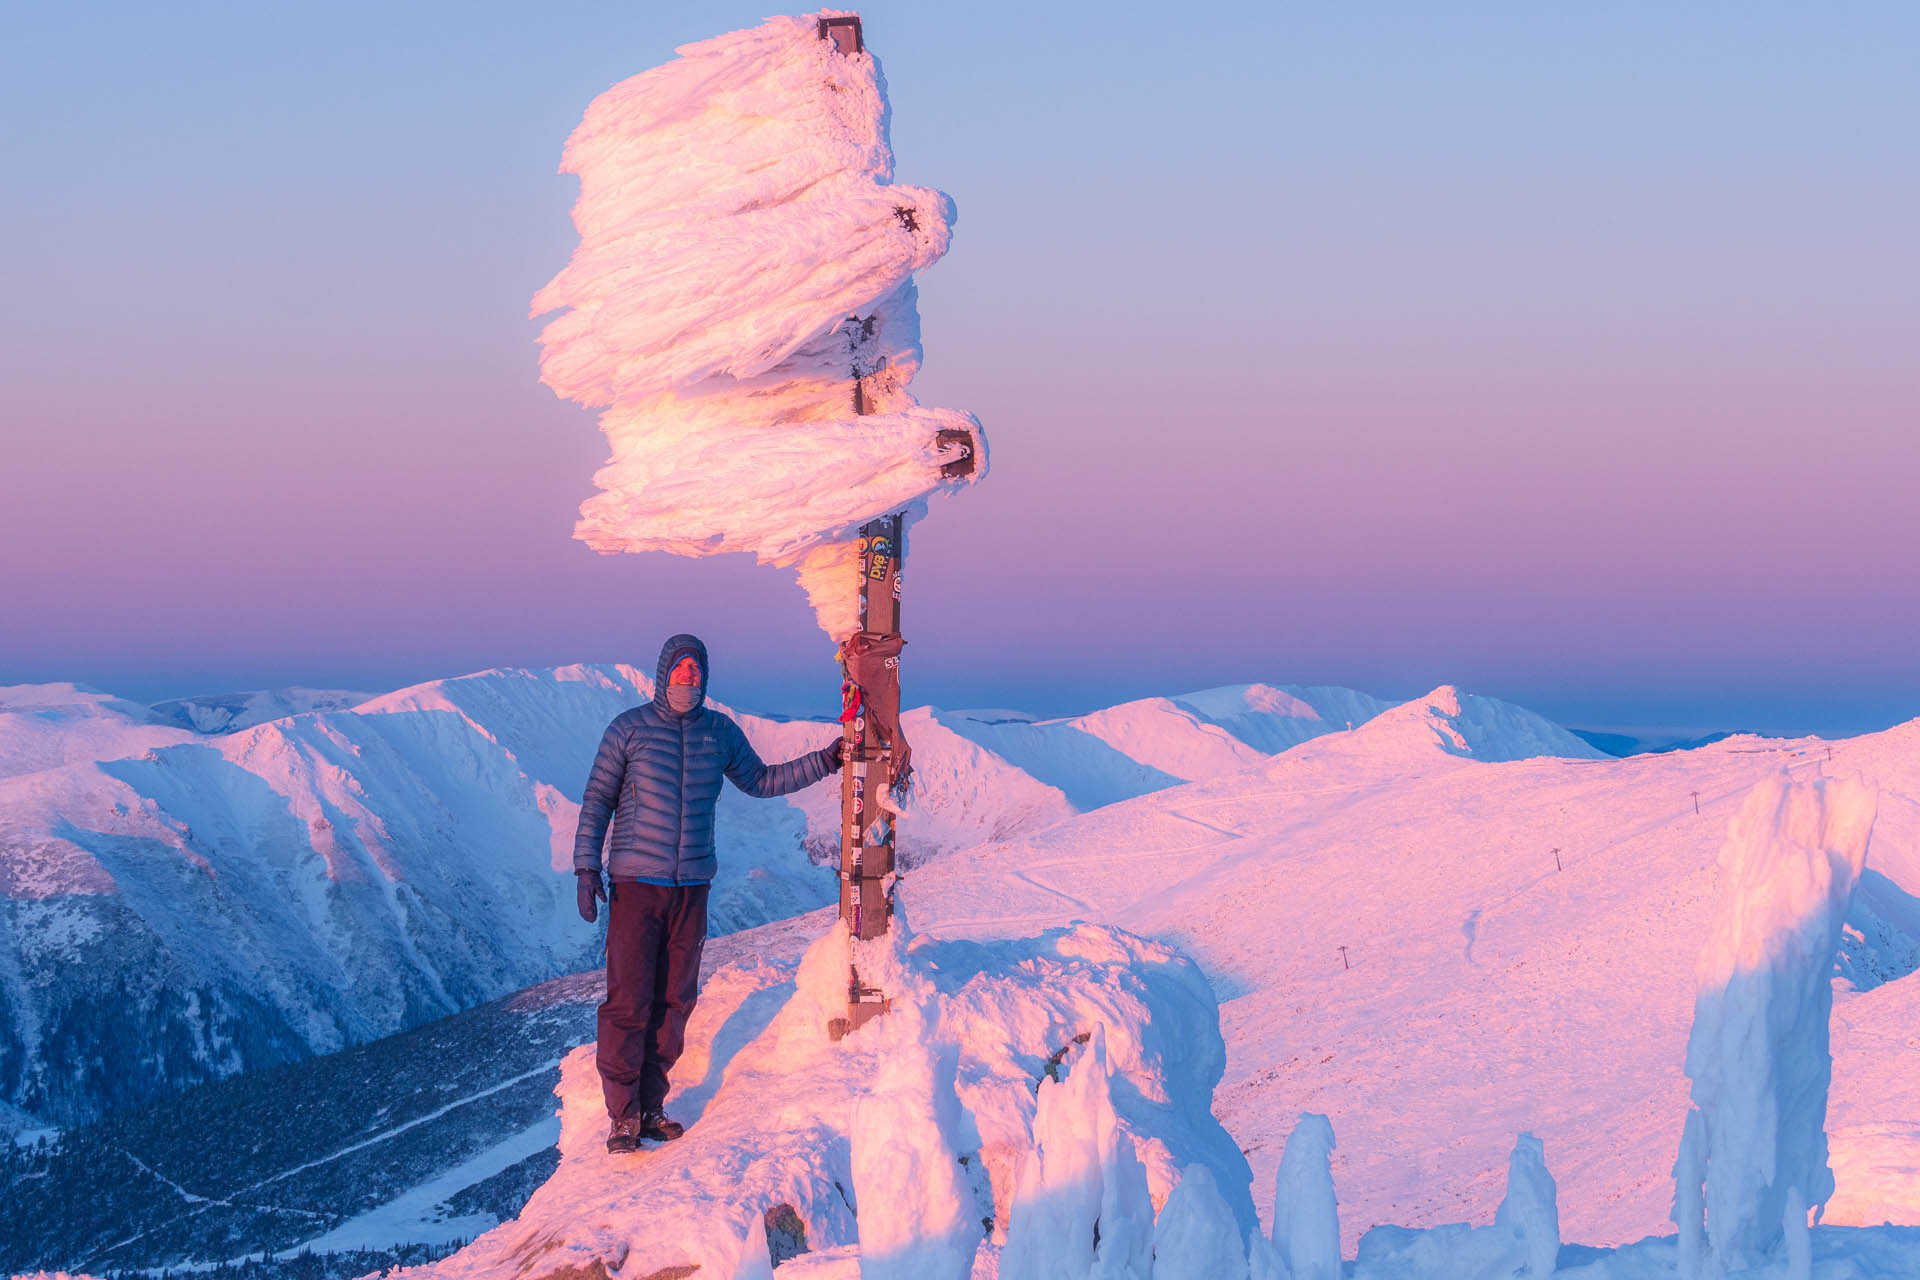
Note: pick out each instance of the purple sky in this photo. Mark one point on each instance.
(1566, 356)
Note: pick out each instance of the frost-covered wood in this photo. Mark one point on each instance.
(745, 258)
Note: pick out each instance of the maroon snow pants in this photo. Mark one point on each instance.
(654, 936)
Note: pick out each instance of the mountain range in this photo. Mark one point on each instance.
(179, 905)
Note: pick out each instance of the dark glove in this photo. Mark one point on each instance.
(589, 890)
(836, 754)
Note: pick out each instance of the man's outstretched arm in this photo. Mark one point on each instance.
(747, 771)
(604, 780)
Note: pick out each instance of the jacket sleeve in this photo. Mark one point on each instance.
(754, 776)
(604, 781)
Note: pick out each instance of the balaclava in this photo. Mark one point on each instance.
(683, 697)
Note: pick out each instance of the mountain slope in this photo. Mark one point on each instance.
(425, 1137)
(210, 905)
(1137, 747)
(1440, 952)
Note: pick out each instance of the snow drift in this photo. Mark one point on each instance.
(742, 306)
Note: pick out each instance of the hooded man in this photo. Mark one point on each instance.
(655, 781)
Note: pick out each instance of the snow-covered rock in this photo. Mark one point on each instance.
(918, 1216)
(1080, 1207)
(1522, 1240)
(775, 1112)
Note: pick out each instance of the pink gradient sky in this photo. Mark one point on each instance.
(1567, 358)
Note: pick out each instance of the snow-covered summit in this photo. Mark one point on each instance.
(1147, 744)
(1474, 727)
(1009, 1088)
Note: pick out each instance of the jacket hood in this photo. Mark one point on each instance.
(676, 648)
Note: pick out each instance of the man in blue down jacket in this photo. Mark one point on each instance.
(656, 780)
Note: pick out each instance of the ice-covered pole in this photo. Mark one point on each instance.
(742, 308)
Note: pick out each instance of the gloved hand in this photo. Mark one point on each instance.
(836, 754)
(590, 889)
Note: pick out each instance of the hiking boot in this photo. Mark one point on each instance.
(623, 1135)
(655, 1125)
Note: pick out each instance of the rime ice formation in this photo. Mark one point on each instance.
(1759, 1052)
(1196, 1237)
(775, 1112)
(918, 1219)
(1529, 1210)
(742, 307)
(1081, 1206)
(1306, 1216)
(1522, 1241)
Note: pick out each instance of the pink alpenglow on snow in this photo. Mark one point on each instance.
(742, 306)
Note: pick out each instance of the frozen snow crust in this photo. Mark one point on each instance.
(745, 256)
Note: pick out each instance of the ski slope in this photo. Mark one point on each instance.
(1519, 943)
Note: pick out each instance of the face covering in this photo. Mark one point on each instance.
(682, 697)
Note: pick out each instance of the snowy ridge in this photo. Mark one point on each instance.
(1153, 743)
(231, 712)
(744, 258)
(45, 726)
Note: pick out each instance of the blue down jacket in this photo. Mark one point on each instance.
(657, 778)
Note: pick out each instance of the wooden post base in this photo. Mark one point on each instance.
(859, 1014)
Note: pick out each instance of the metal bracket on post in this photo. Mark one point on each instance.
(866, 824)
(843, 34)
